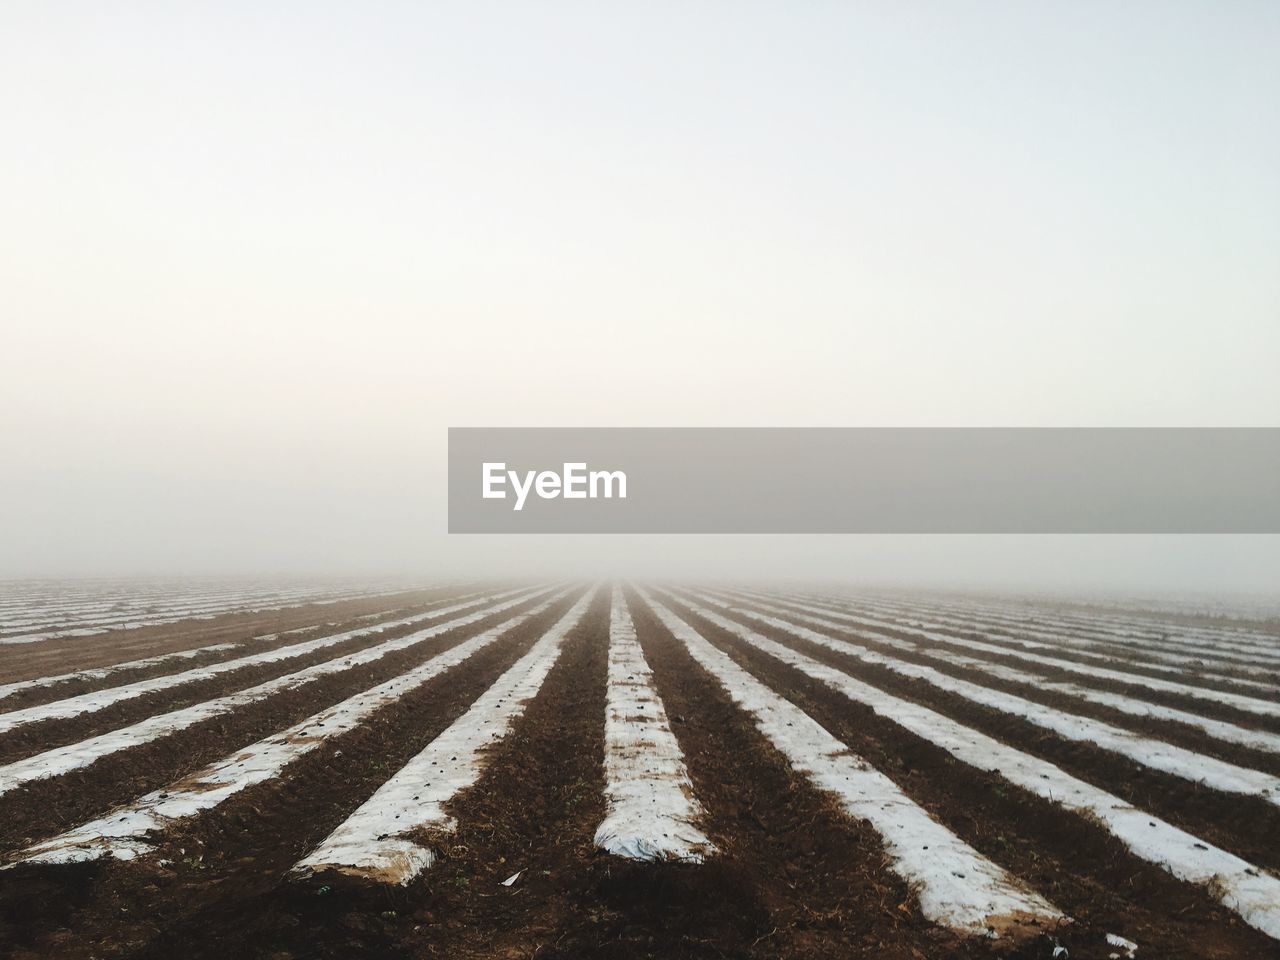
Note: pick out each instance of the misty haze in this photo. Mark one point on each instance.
(257, 702)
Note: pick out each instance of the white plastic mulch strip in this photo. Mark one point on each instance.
(957, 886)
(331, 623)
(192, 607)
(155, 610)
(270, 636)
(1156, 754)
(1122, 645)
(87, 627)
(60, 760)
(1250, 891)
(99, 673)
(1122, 624)
(1030, 611)
(101, 699)
(1018, 644)
(989, 619)
(1239, 701)
(1224, 655)
(1113, 648)
(650, 805)
(125, 832)
(1128, 946)
(26, 606)
(1109, 629)
(70, 605)
(372, 842)
(1219, 729)
(125, 621)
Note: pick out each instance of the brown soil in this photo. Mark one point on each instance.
(223, 865)
(239, 648)
(47, 734)
(1048, 606)
(1243, 825)
(1078, 866)
(1183, 735)
(25, 661)
(45, 807)
(1205, 707)
(794, 876)
(1130, 656)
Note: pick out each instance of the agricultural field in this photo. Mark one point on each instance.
(520, 770)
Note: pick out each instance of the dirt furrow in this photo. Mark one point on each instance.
(79, 685)
(27, 661)
(1202, 705)
(46, 807)
(819, 876)
(1129, 647)
(1170, 731)
(1081, 868)
(1245, 825)
(218, 876)
(1187, 674)
(47, 734)
(534, 806)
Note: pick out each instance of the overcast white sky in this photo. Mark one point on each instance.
(256, 257)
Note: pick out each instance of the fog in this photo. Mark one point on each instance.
(256, 260)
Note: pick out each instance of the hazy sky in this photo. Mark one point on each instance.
(256, 257)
